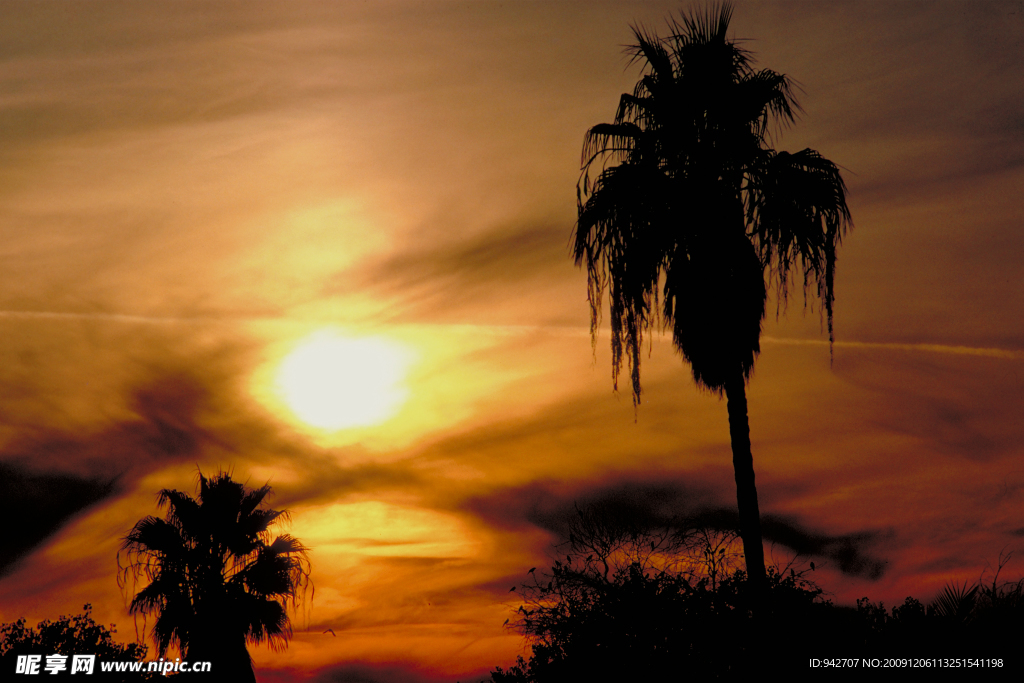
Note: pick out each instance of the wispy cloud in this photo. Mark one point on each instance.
(957, 350)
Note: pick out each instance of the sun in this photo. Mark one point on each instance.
(332, 381)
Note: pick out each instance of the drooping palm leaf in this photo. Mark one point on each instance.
(797, 212)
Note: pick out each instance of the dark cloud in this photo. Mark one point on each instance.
(163, 430)
(665, 503)
(324, 479)
(847, 551)
(552, 505)
(503, 255)
(47, 476)
(36, 505)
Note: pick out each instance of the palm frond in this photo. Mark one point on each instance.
(609, 138)
(252, 500)
(210, 568)
(614, 239)
(684, 180)
(711, 26)
(182, 511)
(764, 96)
(650, 50)
(957, 602)
(796, 208)
(636, 107)
(268, 623)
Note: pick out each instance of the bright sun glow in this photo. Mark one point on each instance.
(335, 382)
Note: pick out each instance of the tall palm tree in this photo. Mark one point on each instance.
(693, 213)
(216, 580)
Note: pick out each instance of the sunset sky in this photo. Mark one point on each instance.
(191, 191)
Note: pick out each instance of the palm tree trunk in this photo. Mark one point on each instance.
(746, 492)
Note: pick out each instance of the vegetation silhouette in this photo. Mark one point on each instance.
(634, 603)
(639, 602)
(983, 619)
(692, 208)
(76, 635)
(215, 580)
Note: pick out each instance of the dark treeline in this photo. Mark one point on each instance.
(626, 603)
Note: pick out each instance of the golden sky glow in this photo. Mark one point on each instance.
(208, 210)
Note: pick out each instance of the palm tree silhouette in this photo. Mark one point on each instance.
(692, 211)
(216, 580)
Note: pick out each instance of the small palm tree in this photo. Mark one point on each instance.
(693, 212)
(216, 580)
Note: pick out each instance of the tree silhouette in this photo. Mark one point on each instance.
(216, 580)
(694, 213)
(68, 636)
